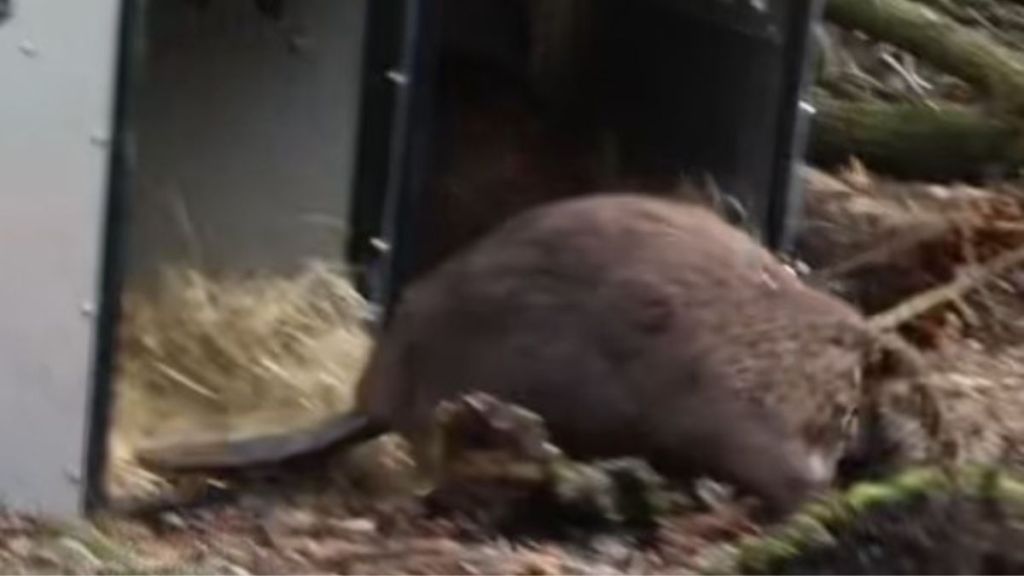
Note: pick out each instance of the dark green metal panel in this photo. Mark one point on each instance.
(697, 86)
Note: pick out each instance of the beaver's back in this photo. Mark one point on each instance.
(609, 315)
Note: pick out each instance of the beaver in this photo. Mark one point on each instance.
(633, 325)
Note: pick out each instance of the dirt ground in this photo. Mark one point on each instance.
(322, 533)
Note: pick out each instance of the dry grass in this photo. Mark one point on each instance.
(202, 356)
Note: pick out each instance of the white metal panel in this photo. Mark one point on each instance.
(57, 72)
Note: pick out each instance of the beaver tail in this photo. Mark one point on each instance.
(261, 449)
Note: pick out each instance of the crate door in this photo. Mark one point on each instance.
(57, 69)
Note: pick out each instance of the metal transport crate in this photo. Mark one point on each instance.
(256, 113)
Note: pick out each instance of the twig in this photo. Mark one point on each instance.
(910, 63)
(870, 82)
(971, 278)
(911, 79)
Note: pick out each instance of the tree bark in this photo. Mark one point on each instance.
(913, 141)
(1003, 20)
(939, 39)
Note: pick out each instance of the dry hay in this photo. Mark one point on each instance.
(233, 355)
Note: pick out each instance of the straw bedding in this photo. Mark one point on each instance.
(228, 355)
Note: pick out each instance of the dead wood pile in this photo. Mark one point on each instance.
(929, 89)
(943, 265)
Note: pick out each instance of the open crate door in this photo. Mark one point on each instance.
(58, 69)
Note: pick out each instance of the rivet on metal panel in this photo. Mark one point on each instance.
(87, 309)
(99, 139)
(380, 245)
(397, 77)
(28, 49)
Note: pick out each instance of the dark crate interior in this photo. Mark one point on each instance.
(514, 103)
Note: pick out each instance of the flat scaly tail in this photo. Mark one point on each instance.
(224, 452)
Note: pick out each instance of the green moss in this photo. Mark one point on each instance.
(862, 497)
(817, 524)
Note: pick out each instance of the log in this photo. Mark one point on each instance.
(937, 38)
(913, 141)
(1005, 21)
(964, 10)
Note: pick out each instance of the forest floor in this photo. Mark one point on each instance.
(333, 523)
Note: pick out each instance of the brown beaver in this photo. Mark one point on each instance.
(634, 326)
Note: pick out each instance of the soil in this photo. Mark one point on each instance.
(327, 532)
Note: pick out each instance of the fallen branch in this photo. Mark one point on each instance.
(913, 141)
(1005, 20)
(971, 278)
